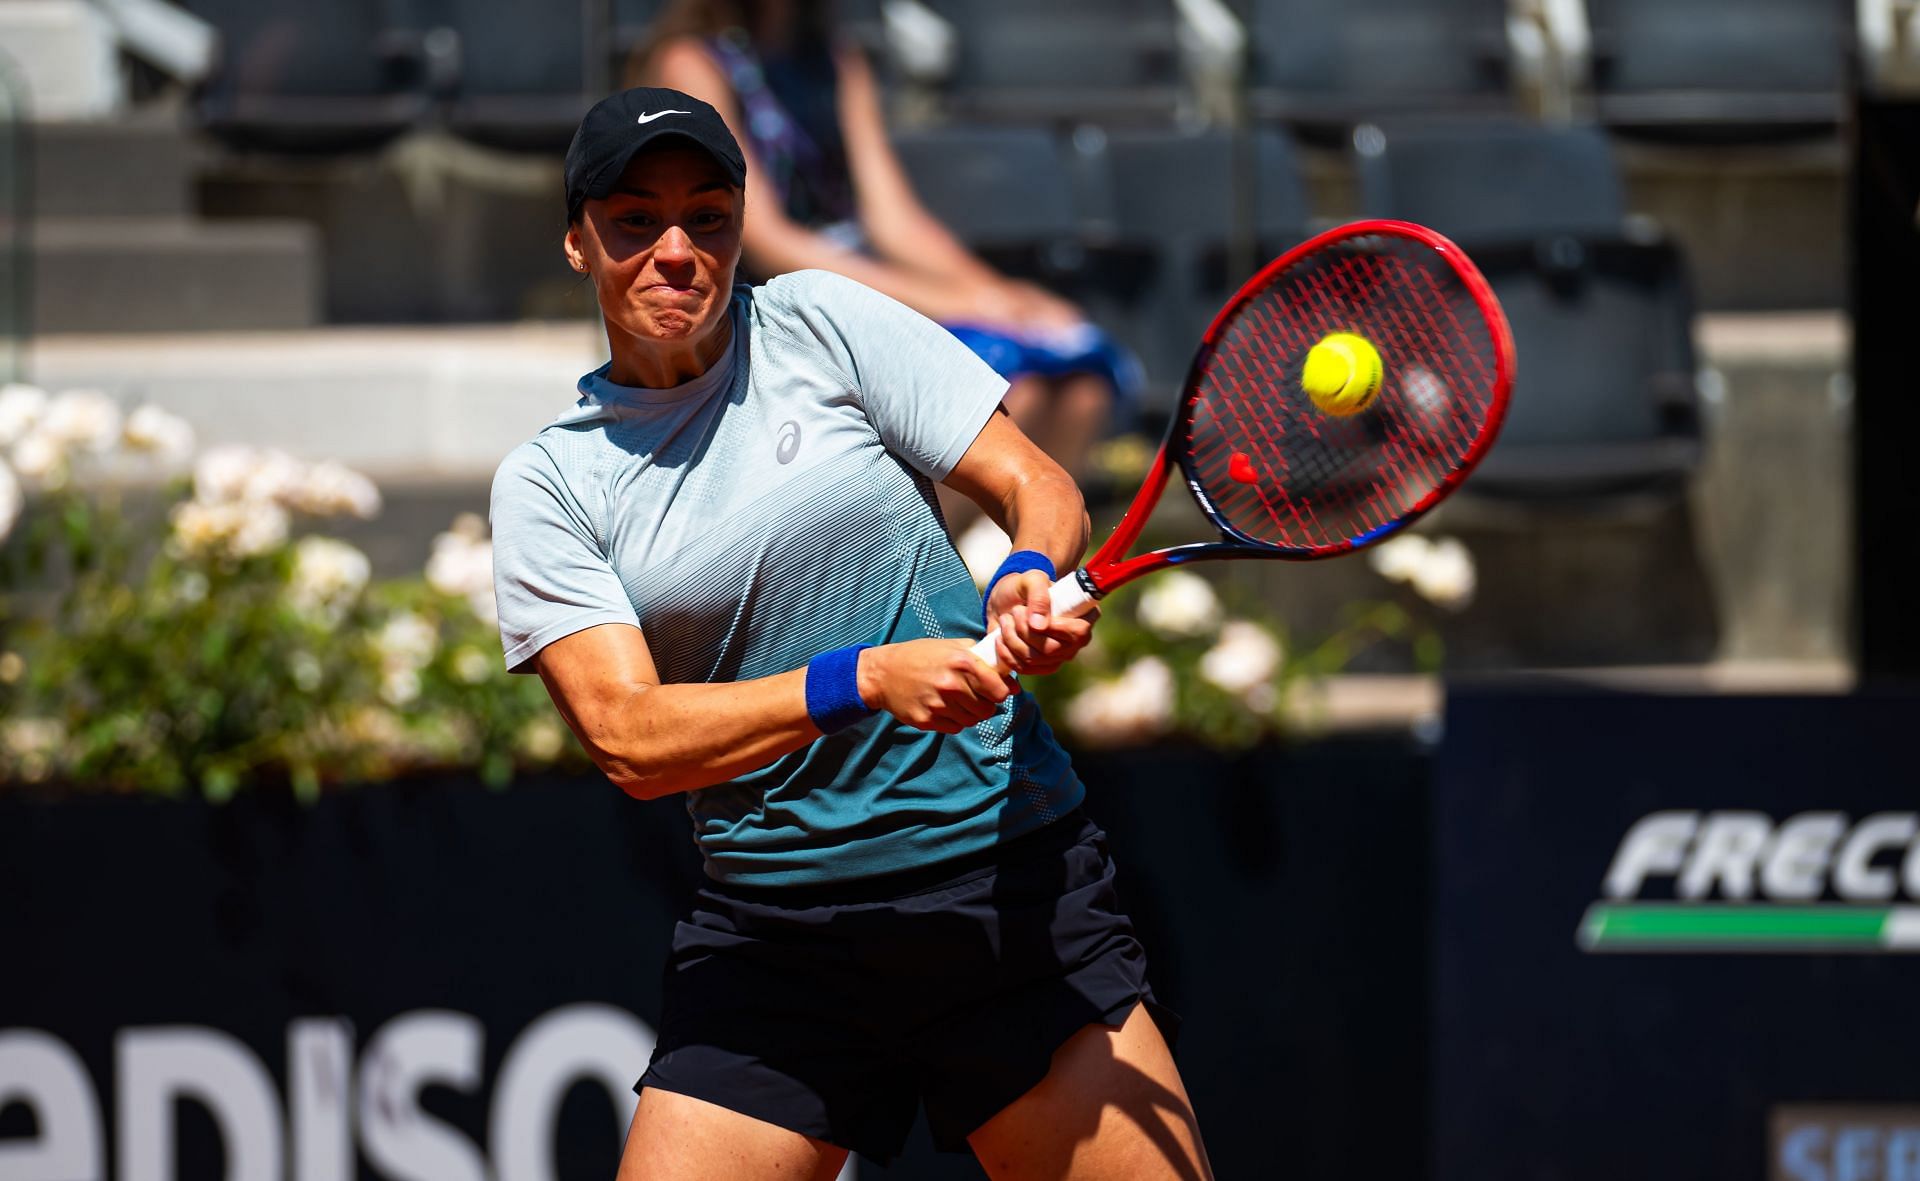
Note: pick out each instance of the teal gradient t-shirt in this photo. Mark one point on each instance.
(773, 508)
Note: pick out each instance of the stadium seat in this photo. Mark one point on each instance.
(1604, 400)
(1003, 190)
(1480, 179)
(1720, 70)
(1042, 61)
(1009, 194)
(527, 72)
(1170, 198)
(632, 19)
(1322, 68)
(293, 76)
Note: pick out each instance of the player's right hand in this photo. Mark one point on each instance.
(934, 685)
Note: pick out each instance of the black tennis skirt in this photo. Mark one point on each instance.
(836, 1011)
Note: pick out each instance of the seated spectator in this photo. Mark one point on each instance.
(827, 191)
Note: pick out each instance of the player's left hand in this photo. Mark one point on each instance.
(1032, 639)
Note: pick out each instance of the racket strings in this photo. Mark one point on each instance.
(1279, 470)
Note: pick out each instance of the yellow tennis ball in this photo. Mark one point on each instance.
(1342, 374)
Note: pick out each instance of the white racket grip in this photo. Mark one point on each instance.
(1069, 600)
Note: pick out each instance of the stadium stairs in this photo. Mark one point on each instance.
(118, 246)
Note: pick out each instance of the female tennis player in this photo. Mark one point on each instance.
(726, 564)
(829, 192)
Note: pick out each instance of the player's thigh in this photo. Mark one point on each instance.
(675, 1137)
(1111, 1106)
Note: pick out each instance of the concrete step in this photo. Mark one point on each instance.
(136, 166)
(441, 404)
(169, 274)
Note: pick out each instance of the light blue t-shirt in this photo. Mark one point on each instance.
(778, 506)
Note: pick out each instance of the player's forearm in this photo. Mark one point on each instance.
(1047, 514)
(685, 737)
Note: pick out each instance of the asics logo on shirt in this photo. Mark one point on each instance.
(648, 118)
(789, 442)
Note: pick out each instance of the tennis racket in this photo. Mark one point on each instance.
(1278, 476)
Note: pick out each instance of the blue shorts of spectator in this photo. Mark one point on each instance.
(1085, 349)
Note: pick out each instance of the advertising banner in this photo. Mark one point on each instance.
(1665, 924)
(435, 982)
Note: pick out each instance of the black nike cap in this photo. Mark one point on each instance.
(621, 124)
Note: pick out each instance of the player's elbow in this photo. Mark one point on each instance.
(625, 750)
(640, 773)
(641, 776)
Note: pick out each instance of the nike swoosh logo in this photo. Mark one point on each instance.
(645, 118)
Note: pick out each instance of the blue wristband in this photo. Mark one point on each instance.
(833, 689)
(1019, 561)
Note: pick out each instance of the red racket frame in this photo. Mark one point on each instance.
(1110, 568)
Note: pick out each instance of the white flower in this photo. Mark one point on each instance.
(1396, 559)
(29, 738)
(83, 420)
(235, 529)
(407, 641)
(461, 565)
(326, 489)
(471, 526)
(542, 739)
(329, 489)
(221, 473)
(1244, 659)
(190, 586)
(29, 749)
(198, 528)
(400, 686)
(305, 671)
(21, 407)
(1446, 579)
(1136, 705)
(983, 547)
(275, 476)
(485, 608)
(327, 577)
(40, 459)
(471, 666)
(262, 529)
(32, 744)
(1440, 571)
(12, 499)
(1179, 605)
(376, 726)
(165, 435)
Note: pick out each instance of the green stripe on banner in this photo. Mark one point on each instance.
(1679, 926)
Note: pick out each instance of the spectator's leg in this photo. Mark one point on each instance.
(1080, 407)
